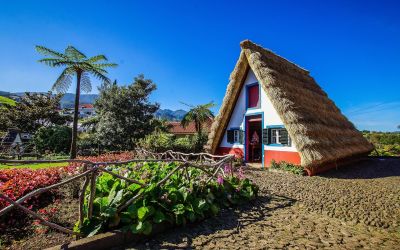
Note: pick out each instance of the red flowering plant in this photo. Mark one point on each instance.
(74, 168)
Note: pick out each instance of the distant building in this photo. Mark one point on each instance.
(84, 111)
(177, 129)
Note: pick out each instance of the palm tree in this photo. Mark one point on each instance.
(75, 63)
(199, 115)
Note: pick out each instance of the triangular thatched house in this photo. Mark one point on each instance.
(274, 110)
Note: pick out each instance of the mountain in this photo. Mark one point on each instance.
(170, 115)
(68, 102)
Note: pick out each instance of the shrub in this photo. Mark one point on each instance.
(161, 142)
(157, 142)
(55, 139)
(183, 144)
(177, 202)
(288, 167)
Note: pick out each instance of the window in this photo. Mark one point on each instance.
(235, 136)
(276, 136)
(253, 96)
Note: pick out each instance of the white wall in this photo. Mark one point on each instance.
(237, 120)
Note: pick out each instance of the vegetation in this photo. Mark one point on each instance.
(386, 143)
(159, 141)
(177, 202)
(288, 167)
(6, 101)
(76, 64)
(34, 166)
(199, 115)
(54, 139)
(125, 113)
(32, 112)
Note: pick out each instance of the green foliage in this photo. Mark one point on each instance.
(32, 112)
(177, 202)
(54, 139)
(125, 113)
(88, 144)
(288, 167)
(6, 101)
(75, 63)
(386, 144)
(162, 141)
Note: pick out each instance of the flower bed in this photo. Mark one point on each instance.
(288, 167)
(186, 197)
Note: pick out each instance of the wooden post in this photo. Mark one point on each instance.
(82, 196)
(92, 192)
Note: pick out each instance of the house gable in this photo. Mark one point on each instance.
(321, 133)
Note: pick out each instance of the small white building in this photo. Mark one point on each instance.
(273, 110)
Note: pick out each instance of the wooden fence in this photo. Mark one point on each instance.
(211, 165)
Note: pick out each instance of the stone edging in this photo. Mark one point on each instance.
(109, 239)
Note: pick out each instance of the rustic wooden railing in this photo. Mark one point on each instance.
(211, 165)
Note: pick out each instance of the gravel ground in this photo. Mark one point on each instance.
(353, 207)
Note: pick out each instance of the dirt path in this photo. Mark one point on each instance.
(352, 208)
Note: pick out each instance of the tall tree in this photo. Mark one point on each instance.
(125, 113)
(199, 115)
(75, 63)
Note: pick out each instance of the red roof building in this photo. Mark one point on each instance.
(177, 129)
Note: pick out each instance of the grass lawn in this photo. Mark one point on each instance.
(34, 166)
(6, 100)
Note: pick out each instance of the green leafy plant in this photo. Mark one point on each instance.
(288, 167)
(179, 201)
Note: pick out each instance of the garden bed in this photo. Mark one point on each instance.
(145, 195)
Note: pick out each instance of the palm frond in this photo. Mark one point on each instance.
(97, 58)
(72, 52)
(50, 61)
(63, 82)
(104, 65)
(49, 52)
(86, 84)
(99, 75)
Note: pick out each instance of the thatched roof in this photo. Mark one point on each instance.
(322, 134)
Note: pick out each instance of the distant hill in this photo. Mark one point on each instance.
(68, 102)
(68, 99)
(171, 115)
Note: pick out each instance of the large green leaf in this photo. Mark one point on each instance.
(159, 217)
(144, 212)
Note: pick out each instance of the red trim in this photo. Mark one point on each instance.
(291, 157)
(238, 152)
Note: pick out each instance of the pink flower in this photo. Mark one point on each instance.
(227, 169)
(241, 173)
(220, 180)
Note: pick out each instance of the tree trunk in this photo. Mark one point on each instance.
(75, 121)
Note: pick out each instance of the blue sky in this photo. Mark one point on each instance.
(189, 48)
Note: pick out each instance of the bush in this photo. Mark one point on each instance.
(54, 139)
(88, 144)
(288, 167)
(157, 142)
(183, 144)
(177, 202)
(161, 142)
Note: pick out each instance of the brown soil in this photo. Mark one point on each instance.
(26, 235)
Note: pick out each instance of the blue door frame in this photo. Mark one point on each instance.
(245, 135)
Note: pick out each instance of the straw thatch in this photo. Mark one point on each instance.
(322, 134)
